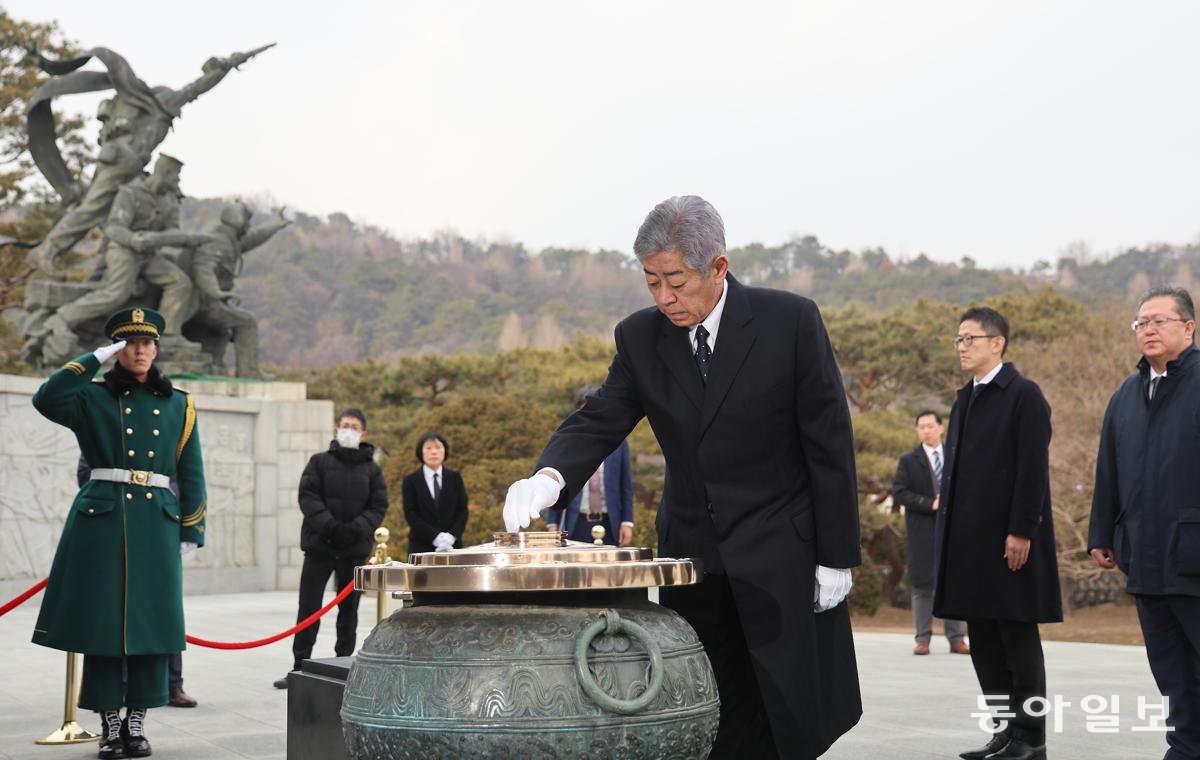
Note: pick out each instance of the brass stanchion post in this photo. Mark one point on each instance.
(70, 732)
(380, 558)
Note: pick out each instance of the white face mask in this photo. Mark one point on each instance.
(348, 438)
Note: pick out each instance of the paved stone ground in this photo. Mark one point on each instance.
(915, 707)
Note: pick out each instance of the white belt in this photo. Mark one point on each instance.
(136, 477)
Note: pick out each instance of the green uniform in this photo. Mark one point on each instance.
(115, 585)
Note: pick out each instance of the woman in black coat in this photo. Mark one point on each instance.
(434, 523)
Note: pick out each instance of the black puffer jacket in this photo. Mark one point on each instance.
(344, 499)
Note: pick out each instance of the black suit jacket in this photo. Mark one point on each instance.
(761, 486)
(913, 488)
(426, 518)
(997, 481)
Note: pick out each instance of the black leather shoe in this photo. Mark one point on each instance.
(1018, 749)
(998, 742)
(136, 743)
(281, 683)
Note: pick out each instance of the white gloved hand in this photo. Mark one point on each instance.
(443, 542)
(186, 546)
(104, 353)
(527, 499)
(832, 586)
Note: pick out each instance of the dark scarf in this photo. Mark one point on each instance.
(119, 379)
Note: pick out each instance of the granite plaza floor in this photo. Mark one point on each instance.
(914, 707)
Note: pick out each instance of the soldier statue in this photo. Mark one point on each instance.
(144, 219)
(213, 267)
(135, 121)
(115, 591)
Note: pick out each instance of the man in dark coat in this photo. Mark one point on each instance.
(915, 487)
(744, 395)
(995, 561)
(344, 499)
(1146, 505)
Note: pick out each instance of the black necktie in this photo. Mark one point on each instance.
(437, 487)
(1154, 386)
(703, 352)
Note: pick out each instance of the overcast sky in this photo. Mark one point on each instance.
(998, 130)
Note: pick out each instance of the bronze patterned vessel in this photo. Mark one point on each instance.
(530, 646)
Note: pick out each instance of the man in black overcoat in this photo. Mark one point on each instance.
(1146, 506)
(915, 487)
(745, 397)
(995, 560)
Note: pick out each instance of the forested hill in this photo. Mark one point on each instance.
(330, 291)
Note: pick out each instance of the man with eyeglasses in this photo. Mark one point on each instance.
(1146, 504)
(995, 561)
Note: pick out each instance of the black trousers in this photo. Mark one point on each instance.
(1171, 627)
(1008, 661)
(175, 670)
(314, 574)
(744, 731)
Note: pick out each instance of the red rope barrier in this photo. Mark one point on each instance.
(306, 622)
(18, 601)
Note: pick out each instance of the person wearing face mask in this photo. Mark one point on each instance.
(435, 499)
(344, 499)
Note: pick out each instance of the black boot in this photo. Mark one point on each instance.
(111, 744)
(133, 732)
(998, 743)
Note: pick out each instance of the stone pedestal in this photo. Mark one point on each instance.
(257, 438)
(314, 714)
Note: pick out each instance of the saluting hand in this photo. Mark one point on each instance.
(1016, 551)
(104, 353)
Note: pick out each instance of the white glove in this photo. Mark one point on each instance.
(186, 546)
(443, 542)
(832, 586)
(104, 353)
(527, 498)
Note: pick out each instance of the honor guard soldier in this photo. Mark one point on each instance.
(115, 591)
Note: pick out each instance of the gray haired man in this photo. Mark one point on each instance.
(742, 390)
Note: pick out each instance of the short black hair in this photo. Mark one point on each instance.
(992, 322)
(1182, 298)
(431, 435)
(356, 413)
(927, 413)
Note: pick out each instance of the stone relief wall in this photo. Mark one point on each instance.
(257, 437)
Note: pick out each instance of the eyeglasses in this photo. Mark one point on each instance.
(966, 340)
(1158, 322)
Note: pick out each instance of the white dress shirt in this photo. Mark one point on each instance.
(989, 377)
(429, 477)
(711, 322)
(585, 492)
(929, 453)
